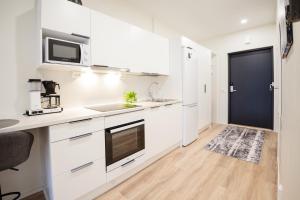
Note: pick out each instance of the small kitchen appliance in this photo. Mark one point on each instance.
(59, 51)
(46, 102)
(35, 106)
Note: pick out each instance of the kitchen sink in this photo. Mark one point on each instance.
(4, 123)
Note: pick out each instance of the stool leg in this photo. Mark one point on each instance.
(17, 195)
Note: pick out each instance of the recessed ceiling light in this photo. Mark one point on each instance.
(244, 21)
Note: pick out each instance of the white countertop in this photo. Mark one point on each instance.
(74, 114)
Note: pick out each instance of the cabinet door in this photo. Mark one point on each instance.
(160, 55)
(204, 81)
(110, 45)
(150, 52)
(141, 44)
(173, 126)
(66, 17)
(163, 128)
(154, 131)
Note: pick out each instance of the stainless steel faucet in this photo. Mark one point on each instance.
(150, 90)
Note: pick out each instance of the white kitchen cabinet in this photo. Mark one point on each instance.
(163, 128)
(72, 185)
(204, 94)
(65, 17)
(150, 52)
(110, 44)
(74, 158)
(118, 44)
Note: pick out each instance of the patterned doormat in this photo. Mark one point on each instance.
(239, 142)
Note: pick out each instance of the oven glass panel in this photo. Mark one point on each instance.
(124, 143)
(64, 51)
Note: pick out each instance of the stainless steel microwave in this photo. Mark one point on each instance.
(66, 52)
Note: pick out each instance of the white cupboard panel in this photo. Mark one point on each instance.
(190, 124)
(71, 153)
(110, 43)
(66, 17)
(163, 128)
(75, 128)
(204, 98)
(72, 185)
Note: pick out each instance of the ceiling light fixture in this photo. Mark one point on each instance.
(244, 21)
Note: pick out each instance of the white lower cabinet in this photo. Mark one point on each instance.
(78, 182)
(75, 164)
(163, 128)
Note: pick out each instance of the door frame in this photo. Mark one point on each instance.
(229, 78)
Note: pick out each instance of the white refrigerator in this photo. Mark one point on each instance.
(190, 96)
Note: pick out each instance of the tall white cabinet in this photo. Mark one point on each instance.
(204, 84)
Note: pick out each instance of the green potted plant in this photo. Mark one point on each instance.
(130, 98)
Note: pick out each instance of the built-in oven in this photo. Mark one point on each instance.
(66, 52)
(124, 143)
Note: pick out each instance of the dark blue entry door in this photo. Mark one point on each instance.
(250, 88)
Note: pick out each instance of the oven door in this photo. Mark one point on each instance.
(124, 144)
(61, 51)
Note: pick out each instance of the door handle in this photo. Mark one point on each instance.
(272, 87)
(231, 89)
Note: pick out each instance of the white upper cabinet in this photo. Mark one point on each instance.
(118, 44)
(150, 52)
(110, 45)
(66, 17)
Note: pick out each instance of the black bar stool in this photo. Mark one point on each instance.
(14, 149)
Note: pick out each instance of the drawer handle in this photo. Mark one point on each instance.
(82, 120)
(81, 167)
(80, 136)
(82, 36)
(128, 163)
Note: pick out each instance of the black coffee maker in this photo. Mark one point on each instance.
(50, 99)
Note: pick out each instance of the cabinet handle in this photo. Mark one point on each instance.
(170, 104)
(82, 120)
(128, 163)
(80, 136)
(81, 167)
(155, 107)
(82, 36)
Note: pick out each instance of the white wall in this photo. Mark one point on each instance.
(290, 131)
(260, 37)
(17, 35)
(289, 145)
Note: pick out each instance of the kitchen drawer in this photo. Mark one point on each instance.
(72, 185)
(71, 153)
(123, 170)
(75, 128)
(120, 119)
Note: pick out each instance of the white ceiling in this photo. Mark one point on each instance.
(204, 19)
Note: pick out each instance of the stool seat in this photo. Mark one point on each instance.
(14, 149)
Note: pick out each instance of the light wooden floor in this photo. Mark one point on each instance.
(195, 173)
